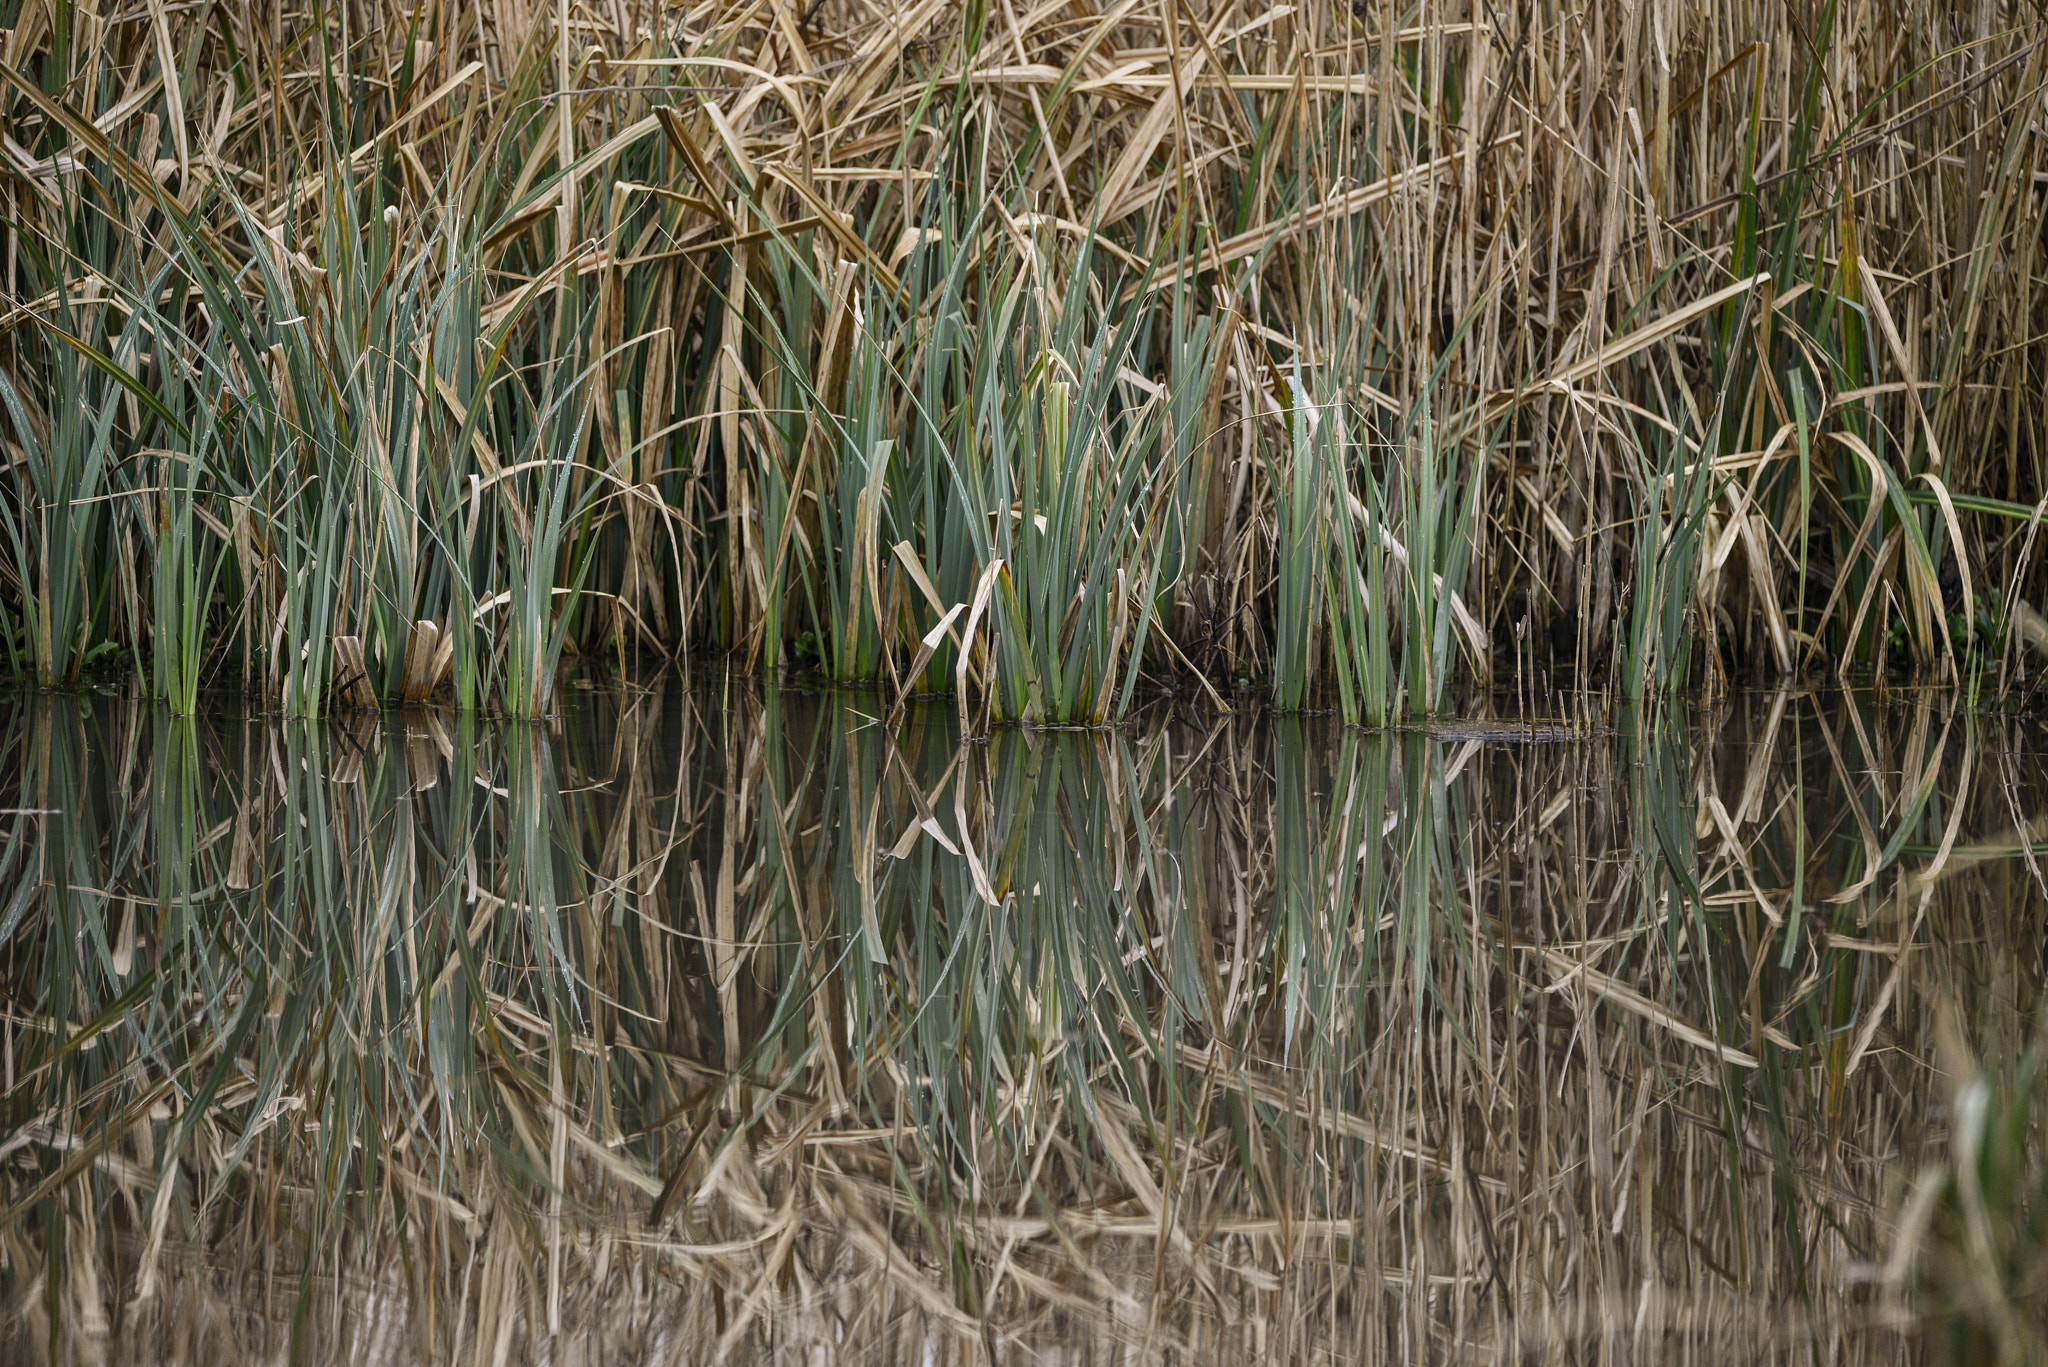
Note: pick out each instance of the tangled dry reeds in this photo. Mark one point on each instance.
(375, 350)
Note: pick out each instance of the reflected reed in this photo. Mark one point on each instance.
(717, 1024)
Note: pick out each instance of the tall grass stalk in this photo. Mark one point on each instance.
(464, 342)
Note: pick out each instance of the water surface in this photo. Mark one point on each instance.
(712, 1024)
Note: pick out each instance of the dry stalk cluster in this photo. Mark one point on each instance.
(361, 351)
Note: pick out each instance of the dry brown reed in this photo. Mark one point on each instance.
(1724, 317)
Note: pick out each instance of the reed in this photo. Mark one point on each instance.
(1678, 343)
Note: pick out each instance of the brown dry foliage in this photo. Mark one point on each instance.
(1514, 210)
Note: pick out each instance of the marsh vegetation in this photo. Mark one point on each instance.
(1293, 496)
(382, 351)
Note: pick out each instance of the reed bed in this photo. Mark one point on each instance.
(367, 352)
(708, 1024)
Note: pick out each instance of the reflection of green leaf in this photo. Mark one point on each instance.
(1130, 1011)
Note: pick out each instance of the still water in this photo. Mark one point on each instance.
(713, 1024)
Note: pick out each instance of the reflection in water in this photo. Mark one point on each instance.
(706, 1025)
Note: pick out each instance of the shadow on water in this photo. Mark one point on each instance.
(713, 1025)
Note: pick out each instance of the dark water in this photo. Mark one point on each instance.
(712, 1025)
